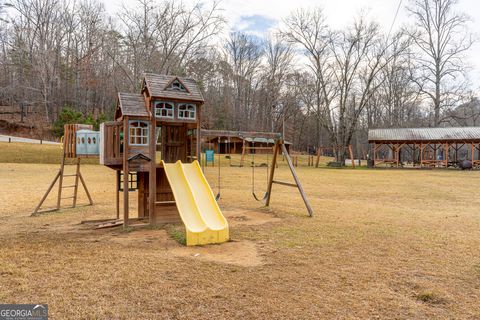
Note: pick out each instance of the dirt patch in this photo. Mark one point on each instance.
(241, 253)
(248, 217)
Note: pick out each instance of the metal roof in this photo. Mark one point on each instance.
(132, 104)
(459, 134)
(157, 85)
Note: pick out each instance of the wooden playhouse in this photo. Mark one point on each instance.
(162, 122)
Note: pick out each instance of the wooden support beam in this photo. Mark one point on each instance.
(243, 134)
(60, 183)
(152, 179)
(46, 193)
(421, 154)
(446, 154)
(117, 194)
(243, 154)
(258, 148)
(126, 139)
(350, 150)
(272, 173)
(77, 174)
(288, 184)
(85, 188)
(297, 180)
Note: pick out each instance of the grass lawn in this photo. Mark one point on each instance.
(382, 244)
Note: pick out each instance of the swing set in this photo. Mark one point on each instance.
(279, 147)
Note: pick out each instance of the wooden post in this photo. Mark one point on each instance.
(397, 154)
(413, 155)
(318, 157)
(117, 194)
(446, 154)
(350, 150)
(152, 179)
(60, 183)
(243, 153)
(126, 138)
(297, 180)
(199, 121)
(85, 188)
(46, 193)
(421, 154)
(272, 172)
(77, 176)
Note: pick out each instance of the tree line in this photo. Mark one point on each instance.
(321, 86)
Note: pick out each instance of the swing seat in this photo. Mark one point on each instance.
(260, 199)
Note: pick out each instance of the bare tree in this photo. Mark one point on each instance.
(307, 29)
(346, 65)
(277, 67)
(244, 52)
(442, 38)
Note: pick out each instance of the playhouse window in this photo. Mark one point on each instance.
(186, 111)
(138, 133)
(164, 110)
(177, 86)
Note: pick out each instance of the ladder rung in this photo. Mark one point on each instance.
(68, 186)
(165, 202)
(70, 175)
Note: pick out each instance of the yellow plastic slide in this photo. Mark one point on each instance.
(204, 222)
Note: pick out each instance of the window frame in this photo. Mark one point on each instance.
(157, 103)
(145, 130)
(187, 105)
(177, 85)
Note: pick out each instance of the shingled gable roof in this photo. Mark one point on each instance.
(157, 86)
(132, 104)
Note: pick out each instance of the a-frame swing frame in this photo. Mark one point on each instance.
(279, 146)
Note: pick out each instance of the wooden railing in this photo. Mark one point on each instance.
(111, 140)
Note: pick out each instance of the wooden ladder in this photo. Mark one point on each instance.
(60, 176)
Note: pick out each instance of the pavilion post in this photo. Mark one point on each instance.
(421, 154)
(446, 154)
(397, 153)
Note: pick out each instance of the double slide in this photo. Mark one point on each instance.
(204, 222)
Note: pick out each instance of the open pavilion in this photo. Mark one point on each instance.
(425, 147)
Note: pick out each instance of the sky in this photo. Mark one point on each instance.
(260, 16)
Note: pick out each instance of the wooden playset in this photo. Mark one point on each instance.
(154, 144)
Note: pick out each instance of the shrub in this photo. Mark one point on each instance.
(69, 116)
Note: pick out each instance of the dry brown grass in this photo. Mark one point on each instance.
(383, 244)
